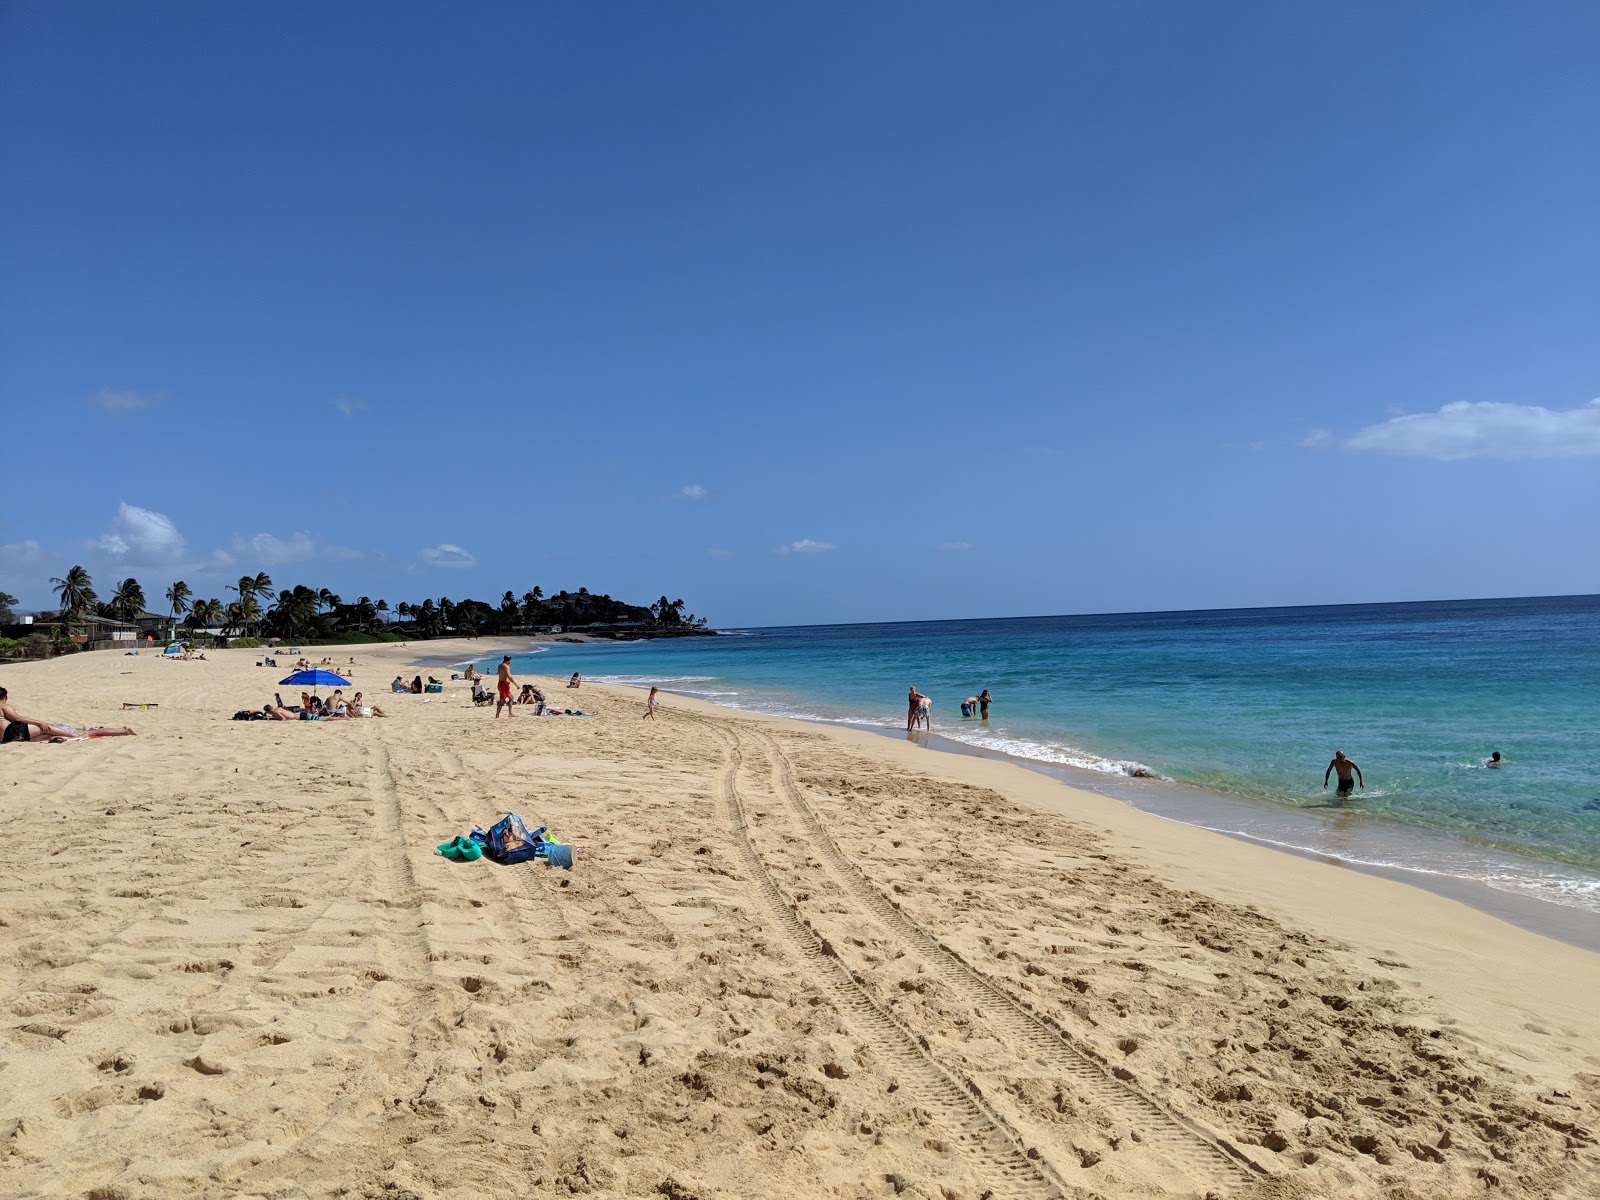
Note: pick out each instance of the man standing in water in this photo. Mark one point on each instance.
(503, 682)
(916, 708)
(1347, 781)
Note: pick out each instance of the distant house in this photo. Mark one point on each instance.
(159, 626)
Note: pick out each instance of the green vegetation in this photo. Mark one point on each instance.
(319, 617)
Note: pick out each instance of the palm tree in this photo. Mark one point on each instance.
(76, 592)
(205, 613)
(178, 596)
(261, 585)
(383, 609)
(326, 599)
(128, 602)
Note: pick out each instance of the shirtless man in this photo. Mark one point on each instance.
(1344, 767)
(504, 683)
(37, 729)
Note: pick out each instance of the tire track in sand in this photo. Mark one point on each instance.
(1204, 1154)
(1011, 1168)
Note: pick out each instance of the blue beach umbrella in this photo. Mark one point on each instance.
(314, 678)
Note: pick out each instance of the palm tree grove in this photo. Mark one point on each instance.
(254, 607)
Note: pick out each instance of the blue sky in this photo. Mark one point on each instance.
(825, 312)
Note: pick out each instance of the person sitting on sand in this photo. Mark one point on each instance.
(416, 685)
(359, 708)
(472, 674)
(575, 681)
(399, 685)
(1344, 767)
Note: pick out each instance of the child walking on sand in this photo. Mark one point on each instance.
(650, 705)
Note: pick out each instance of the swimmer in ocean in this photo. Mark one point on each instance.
(1347, 781)
(1495, 760)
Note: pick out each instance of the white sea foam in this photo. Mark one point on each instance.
(1068, 756)
(655, 680)
(1532, 880)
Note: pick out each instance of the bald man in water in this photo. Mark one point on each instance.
(1344, 767)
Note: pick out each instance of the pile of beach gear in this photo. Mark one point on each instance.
(508, 841)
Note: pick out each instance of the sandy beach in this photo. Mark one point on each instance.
(791, 960)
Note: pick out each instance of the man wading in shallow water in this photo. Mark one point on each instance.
(1344, 766)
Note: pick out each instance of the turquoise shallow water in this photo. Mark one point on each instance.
(1244, 703)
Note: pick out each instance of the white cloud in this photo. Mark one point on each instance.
(806, 546)
(1486, 430)
(140, 536)
(719, 552)
(955, 545)
(270, 550)
(19, 554)
(348, 405)
(1255, 445)
(447, 555)
(117, 402)
(692, 491)
(1316, 438)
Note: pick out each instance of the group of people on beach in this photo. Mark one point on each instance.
(919, 708)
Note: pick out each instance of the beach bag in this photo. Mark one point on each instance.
(510, 841)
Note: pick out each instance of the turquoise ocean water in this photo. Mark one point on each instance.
(1236, 712)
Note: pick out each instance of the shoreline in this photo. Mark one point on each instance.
(1369, 844)
(790, 957)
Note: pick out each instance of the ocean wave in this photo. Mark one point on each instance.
(655, 680)
(1066, 756)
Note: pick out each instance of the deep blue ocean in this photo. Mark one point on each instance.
(1248, 704)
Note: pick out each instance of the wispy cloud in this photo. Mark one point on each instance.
(141, 537)
(692, 491)
(1484, 430)
(807, 546)
(19, 554)
(1255, 445)
(270, 550)
(446, 555)
(955, 545)
(719, 552)
(1317, 438)
(348, 405)
(119, 402)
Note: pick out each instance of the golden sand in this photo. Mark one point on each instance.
(791, 961)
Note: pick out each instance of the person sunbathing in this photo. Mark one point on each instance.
(17, 731)
(278, 713)
(29, 728)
